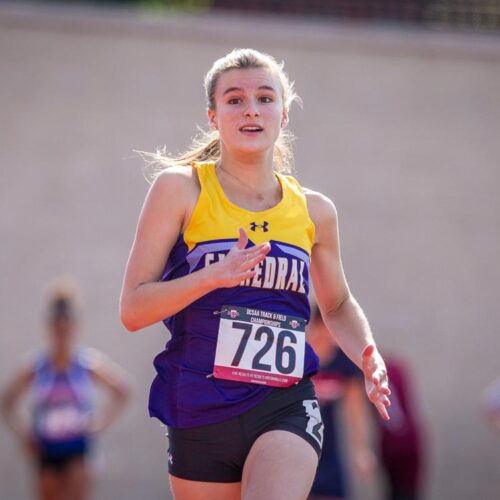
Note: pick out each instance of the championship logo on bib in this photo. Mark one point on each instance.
(260, 347)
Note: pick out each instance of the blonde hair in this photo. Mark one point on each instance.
(62, 298)
(206, 146)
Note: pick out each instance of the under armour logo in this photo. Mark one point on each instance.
(254, 226)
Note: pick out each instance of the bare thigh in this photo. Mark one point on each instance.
(77, 480)
(49, 485)
(280, 466)
(184, 489)
(69, 483)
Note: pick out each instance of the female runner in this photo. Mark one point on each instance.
(223, 252)
(64, 422)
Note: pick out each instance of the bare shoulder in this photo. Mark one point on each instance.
(98, 363)
(29, 363)
(24, 373)
(321, 208)
(176, 180)
(176, 191)
(92, 358)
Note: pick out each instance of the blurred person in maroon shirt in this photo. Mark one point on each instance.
(401, 437)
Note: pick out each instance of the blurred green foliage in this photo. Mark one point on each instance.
(176, 4)
(158, 5)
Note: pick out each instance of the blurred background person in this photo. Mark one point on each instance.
(340, 390)
(63, 422)
(491, 403)
(401, 439)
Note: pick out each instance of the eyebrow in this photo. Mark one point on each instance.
(239, 89)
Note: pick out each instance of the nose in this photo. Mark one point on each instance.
(252, 109)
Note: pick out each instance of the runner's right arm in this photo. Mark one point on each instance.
(9, 399)
(165, 214)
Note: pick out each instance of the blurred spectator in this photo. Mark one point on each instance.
(401, 445)
(63, 420)
(491, 403)
(339, 379)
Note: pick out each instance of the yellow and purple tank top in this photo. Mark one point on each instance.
(185, 392)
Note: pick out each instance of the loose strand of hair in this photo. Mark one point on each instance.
(206, 148)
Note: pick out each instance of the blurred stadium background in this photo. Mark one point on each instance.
(400, 126)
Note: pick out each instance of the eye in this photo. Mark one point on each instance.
(266, 99)
(234, 100)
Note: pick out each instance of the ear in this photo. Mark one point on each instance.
(212, 119)
(284, 118)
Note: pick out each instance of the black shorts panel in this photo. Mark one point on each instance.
(207, 453)
(59, 463)
(59, 455)
(217, 452)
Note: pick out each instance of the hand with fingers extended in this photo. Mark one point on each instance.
(376, 380)
(239, 263)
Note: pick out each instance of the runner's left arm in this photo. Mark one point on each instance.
(341, 313)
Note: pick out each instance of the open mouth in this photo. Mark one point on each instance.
(254, 129)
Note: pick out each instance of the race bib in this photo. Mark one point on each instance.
(260, 347)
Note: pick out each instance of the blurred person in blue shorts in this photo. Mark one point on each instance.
(61, 380)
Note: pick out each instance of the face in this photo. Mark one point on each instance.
(249, 111)
(62, 332)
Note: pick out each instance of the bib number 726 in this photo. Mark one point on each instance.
(266, 334)
(260, 347)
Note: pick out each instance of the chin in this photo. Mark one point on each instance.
(254, 148)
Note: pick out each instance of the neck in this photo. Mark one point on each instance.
(249, 182)
(61, 359)
(256, 171)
